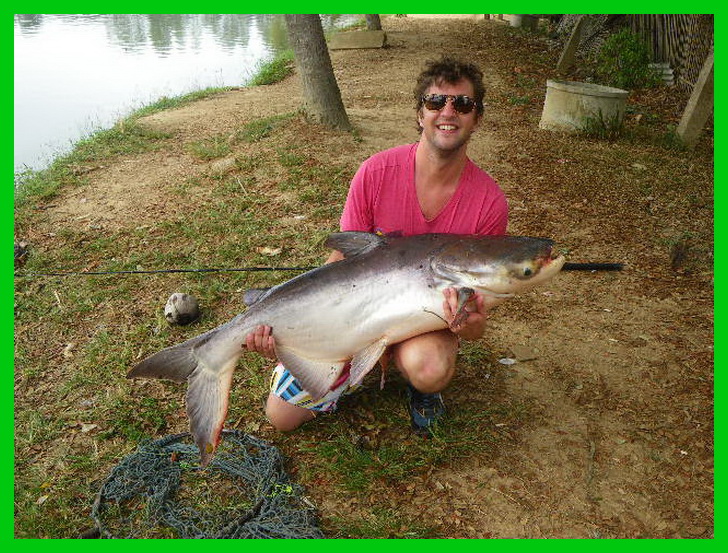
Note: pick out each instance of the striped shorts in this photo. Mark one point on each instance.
(284, 385)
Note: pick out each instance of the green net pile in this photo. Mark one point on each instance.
(160, 491)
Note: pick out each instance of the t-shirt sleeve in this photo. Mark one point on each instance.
(357, 214)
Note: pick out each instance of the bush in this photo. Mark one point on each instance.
(623, 62)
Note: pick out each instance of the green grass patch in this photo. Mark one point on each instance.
(258, 129)
(275, 70)
(210, 148)
(166, 102)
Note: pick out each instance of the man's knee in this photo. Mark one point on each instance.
(285, 417)
(428, 361)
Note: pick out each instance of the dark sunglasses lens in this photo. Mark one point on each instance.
(463, 104)
(435, 102)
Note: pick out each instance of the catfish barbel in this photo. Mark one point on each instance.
(384, 291)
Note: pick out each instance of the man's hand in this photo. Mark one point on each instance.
(261, 341)
(472, 326)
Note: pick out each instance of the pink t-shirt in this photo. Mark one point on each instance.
(382, 199)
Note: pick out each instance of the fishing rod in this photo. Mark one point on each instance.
(161, 271)
(592, 267)
(566, 267)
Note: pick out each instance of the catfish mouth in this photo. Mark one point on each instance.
(550, 261)
(546, 257)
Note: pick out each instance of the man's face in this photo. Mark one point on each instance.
(448, 130)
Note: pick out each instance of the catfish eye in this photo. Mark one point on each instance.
(527, 271)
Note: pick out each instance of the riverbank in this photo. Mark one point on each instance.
(606, 433)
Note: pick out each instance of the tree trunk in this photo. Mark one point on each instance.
(322, 98)
(373, 22)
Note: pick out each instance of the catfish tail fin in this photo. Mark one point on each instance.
(207, 363)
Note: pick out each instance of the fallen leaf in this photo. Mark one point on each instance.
(68, 350)
(265, 250)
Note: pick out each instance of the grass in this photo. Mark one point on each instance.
(275, 70)
(603, 127)
(72, 395)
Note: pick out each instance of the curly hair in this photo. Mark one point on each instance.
(451, 71)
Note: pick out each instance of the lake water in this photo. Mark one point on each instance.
(77, 73)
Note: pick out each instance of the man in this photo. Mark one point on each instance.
(426, 187)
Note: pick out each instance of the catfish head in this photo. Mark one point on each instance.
(496, 266)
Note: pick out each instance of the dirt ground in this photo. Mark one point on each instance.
(619, 441)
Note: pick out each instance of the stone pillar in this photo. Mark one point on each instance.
(699, 105)
(566, 61)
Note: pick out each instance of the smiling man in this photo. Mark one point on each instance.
(430, 186)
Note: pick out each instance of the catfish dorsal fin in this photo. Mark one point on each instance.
(254, 295)
(353, 243)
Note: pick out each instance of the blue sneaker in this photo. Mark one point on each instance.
(425, 410)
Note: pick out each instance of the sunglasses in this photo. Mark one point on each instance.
(461, 103)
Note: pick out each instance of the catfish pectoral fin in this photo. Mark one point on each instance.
(365, 359)
(315, 376)
(461, 315)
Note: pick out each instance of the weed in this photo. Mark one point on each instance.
(165, 102)
(623, 62)
(290, 158)
(670, 140)
(519, 100)
(258, 129)
(603, 127)
(273, 71)
(210, 148)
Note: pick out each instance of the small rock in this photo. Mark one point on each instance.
(21, 252)
(265, 250)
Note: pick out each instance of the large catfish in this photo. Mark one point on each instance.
(384, 291)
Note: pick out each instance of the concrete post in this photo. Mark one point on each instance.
(699, 105)
(567, 56)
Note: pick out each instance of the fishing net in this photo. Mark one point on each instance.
(160, 491)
